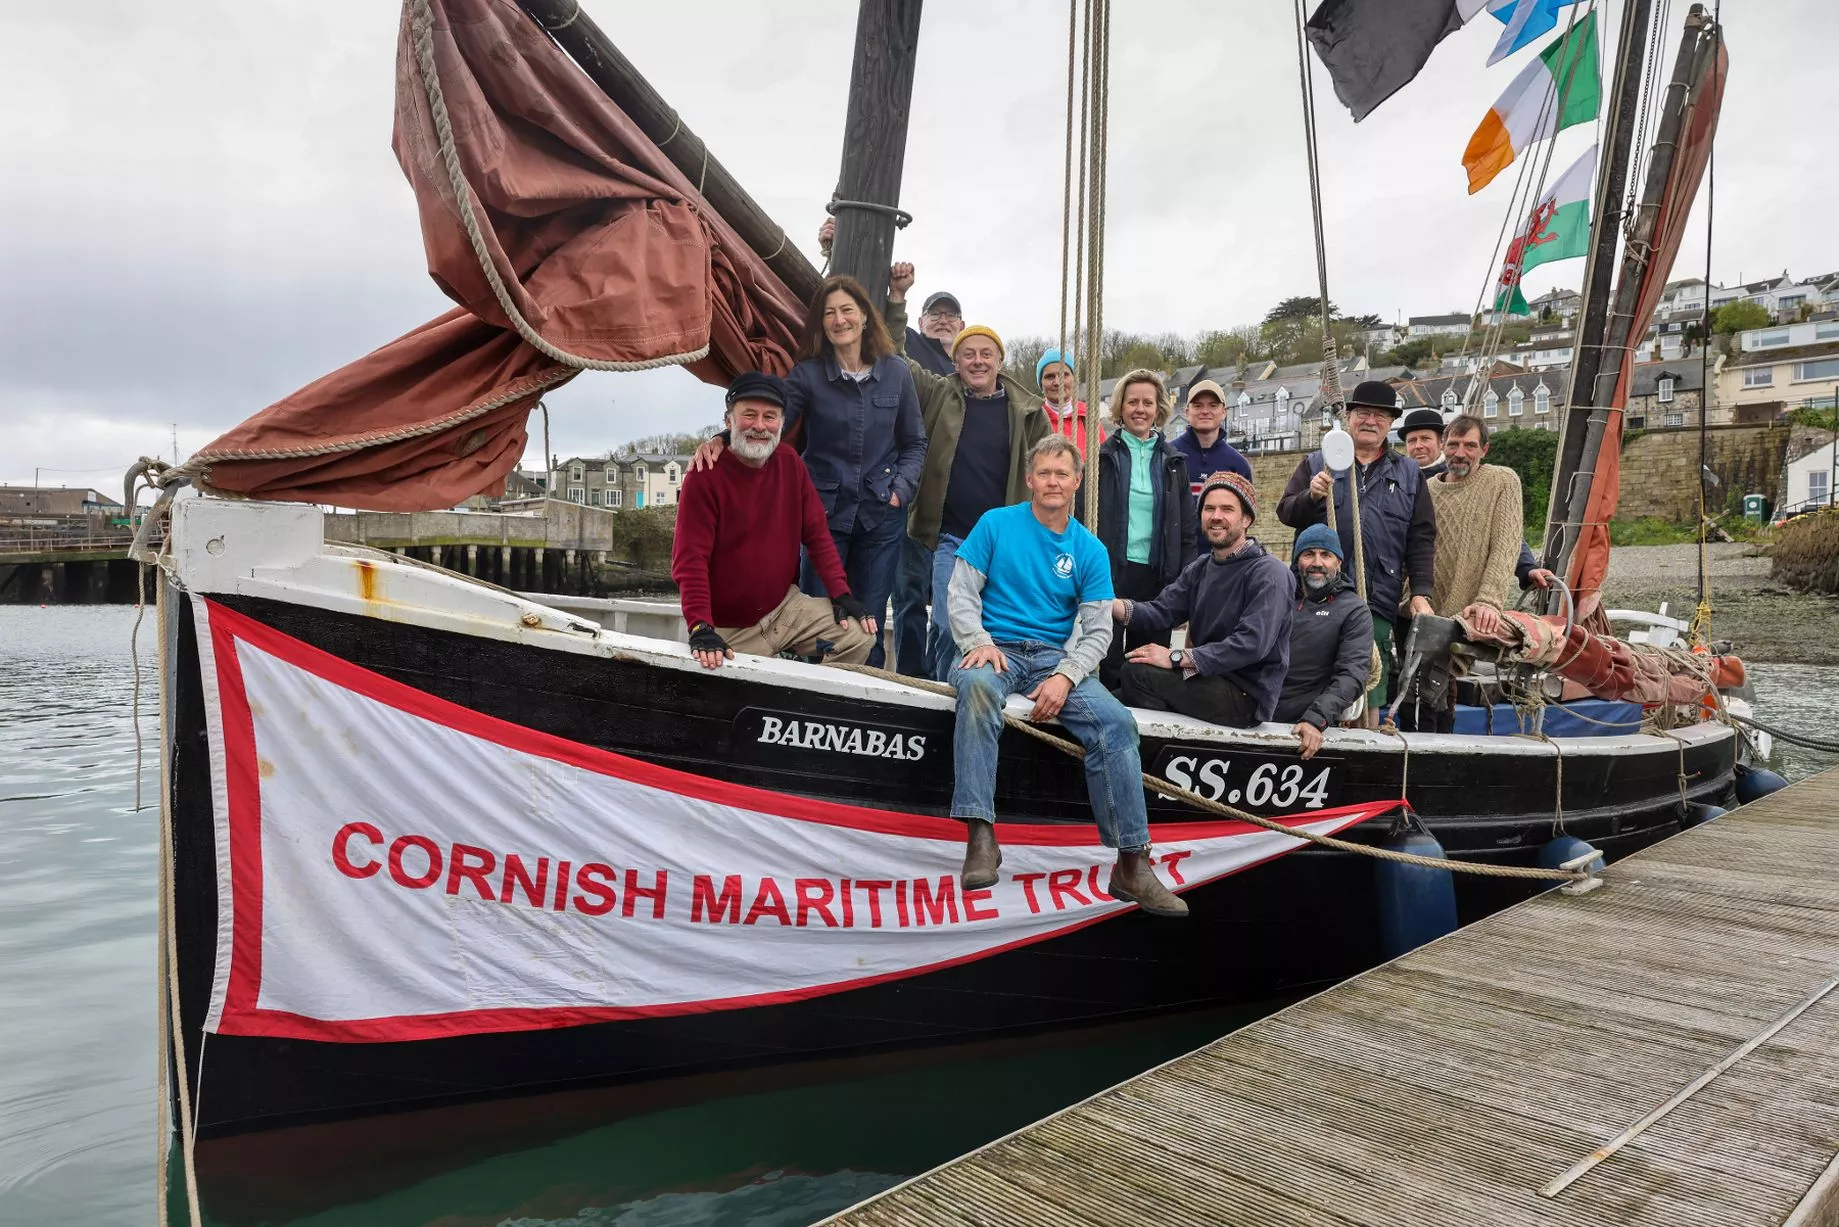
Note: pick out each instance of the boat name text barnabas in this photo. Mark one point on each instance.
(841, 738)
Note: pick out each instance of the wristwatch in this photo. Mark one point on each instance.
(1175, 658)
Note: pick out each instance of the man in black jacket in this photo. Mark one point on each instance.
(1236, 602)
(1331, 640)
(1398, 524)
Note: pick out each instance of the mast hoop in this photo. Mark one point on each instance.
(902, 218)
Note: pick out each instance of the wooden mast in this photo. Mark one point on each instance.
(1617, 318)
(576, 33)
(875, 142)
(1599, 272)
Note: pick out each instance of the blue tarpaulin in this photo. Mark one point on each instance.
(1580, 718)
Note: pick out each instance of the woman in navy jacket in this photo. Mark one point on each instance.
(864, 442)
(1146, 515)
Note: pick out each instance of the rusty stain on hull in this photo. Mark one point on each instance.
(367, 579)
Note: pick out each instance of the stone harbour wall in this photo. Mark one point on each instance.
(1806, 552)
(1660, 469)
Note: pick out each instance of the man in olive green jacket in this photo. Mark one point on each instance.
(979, 426)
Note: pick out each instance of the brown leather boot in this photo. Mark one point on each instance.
(1134, 880)
(981, 855)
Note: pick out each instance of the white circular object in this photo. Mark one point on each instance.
(1338, 450)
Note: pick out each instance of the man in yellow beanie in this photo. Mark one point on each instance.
(980, 425)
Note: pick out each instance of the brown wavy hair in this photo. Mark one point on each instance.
(812, 343)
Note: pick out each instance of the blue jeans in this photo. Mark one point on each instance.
(1114, 769)
(941, 652)
(868, 555)
(912, 591)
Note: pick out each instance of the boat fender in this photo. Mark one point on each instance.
(1416, 904)
(1698, 813)
(1754, 783)
(1556, 851)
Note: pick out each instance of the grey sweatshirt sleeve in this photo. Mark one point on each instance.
(1091, 637)
(1353, 656)
(964, 607)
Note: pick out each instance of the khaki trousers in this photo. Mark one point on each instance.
(797, 625)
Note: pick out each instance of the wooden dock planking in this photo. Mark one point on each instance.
(1447, 1088)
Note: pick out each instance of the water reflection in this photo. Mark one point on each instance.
(761, 1146)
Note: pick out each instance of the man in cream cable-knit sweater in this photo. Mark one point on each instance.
(1479, 526)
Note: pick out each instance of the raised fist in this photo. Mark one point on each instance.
(900, 278)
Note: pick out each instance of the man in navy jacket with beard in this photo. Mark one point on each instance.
(1236, 601)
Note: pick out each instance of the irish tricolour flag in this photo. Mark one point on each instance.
(1560, 88)
(1559, 229)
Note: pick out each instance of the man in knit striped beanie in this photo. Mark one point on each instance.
(1236, 602)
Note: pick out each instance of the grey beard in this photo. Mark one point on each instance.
(1315, 581)
(748, 450)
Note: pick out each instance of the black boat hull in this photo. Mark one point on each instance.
(1306, 919)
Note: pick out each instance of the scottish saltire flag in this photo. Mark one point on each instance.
(1559, 229)
(1527, 21)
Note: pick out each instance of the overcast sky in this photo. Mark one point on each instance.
(202, 212)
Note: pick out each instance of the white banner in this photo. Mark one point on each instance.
(393, 866)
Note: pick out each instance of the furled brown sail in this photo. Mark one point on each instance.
(600, 246)
(1689, 126)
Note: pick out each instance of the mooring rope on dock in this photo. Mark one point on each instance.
(1158, 785)
(1799, 739)
(171, 1030)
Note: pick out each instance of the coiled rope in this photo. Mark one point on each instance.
(421, 25)
(1158, 785)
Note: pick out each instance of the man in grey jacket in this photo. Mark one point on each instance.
(1331, 640)
(1030, 613)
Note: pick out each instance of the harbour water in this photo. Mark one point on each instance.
(77, 1030)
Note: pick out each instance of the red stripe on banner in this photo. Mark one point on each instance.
(281, 1024)
(322, 664)
(242, 768)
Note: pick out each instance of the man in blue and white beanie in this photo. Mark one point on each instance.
(1331, 640)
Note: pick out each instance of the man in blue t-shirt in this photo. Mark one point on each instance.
(1030, 611)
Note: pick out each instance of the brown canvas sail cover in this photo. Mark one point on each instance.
(1698, 128)
(602, 248)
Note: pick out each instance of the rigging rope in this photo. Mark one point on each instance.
(1095, 152)
(1529, 186)
(1332, 396)
(1066, 199)
(1156, 784)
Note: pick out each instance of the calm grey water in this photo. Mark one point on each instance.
(77, 1031)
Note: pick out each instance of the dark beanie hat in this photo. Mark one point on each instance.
(1376, 395)
(756, 385)
(1421, 419)
(1238, 484)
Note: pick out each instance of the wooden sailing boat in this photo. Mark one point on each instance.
(335, 718)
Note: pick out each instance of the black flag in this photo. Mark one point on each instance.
(1373, 47)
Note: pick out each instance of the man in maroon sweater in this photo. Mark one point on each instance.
(735, 558)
